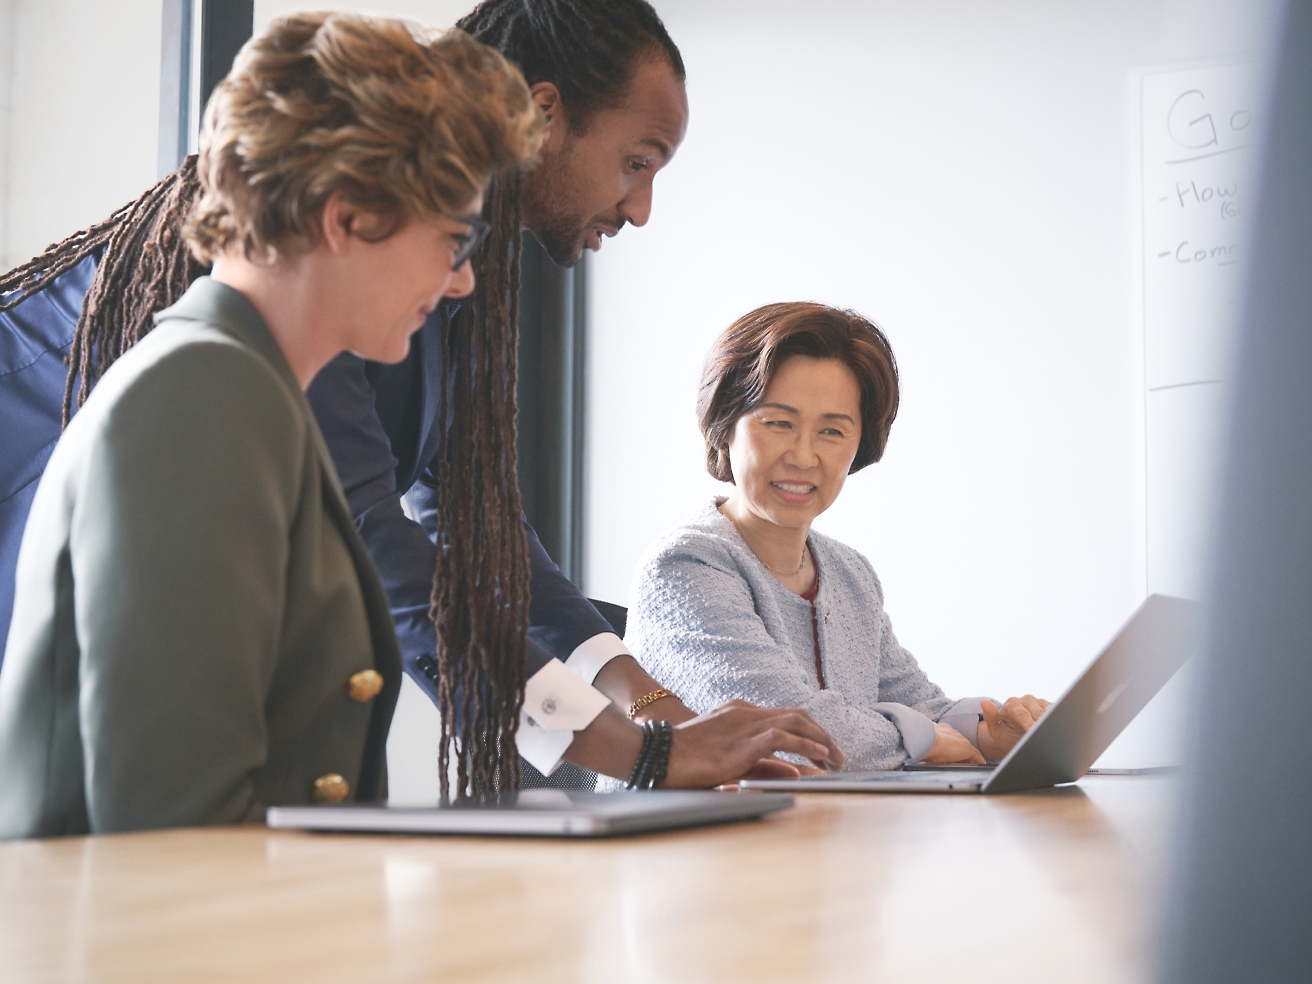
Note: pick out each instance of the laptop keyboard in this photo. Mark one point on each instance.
(953, 777)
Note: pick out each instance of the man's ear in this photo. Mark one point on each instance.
(546, 97)
(335, 221)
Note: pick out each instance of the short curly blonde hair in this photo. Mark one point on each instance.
(404, 121)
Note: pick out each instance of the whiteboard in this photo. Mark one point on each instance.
(1196, 130)
(1198, 126)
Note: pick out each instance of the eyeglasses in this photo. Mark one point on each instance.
(467, 242)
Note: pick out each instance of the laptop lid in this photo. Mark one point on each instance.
(540, 813)
(1074, 731)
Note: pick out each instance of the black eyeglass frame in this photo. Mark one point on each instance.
(467, 243)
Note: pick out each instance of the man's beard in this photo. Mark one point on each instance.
(548, 212)
(562, 238)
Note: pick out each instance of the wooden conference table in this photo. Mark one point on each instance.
(1058, 885)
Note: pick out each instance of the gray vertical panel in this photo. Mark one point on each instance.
(174, 85)
(538, 394)
(550, 391)
(225, 26)
(578, 362)
(1241, 901)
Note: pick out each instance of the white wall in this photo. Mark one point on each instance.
(7, 20)
(964, 172)
(79, 107)
(83, 93)
(438, 13)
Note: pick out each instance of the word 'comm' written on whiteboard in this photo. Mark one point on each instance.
(1198, 126)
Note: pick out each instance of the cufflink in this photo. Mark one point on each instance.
(559, 701)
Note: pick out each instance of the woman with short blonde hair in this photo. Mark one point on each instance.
(199, 632)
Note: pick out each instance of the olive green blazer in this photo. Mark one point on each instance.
(195, 614)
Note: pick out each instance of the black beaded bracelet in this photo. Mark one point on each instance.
(661, 759)
(638, 775)
(654, 757)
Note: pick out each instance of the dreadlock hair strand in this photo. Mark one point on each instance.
(146, 267)
(480, 603)
(481, 587)
(40, 271)
(143, 268)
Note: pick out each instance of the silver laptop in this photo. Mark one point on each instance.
(1072, 733)
(541, 813)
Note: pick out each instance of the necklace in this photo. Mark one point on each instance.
(806, 547)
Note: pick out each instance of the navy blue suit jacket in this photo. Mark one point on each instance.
(380, 424)
(35, 337)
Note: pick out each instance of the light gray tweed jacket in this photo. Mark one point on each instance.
(710, 622)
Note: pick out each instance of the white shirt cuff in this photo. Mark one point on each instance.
(540, 748)
(587, 660)
(556, 704)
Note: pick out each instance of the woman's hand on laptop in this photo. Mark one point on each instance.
(951, 747)
(730, 742)
(1002, 728)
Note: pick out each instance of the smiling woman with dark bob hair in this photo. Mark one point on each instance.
(746, 602)
(745, 359)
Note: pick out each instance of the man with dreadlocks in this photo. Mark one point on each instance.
(439, 427)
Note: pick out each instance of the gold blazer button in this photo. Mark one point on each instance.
(331, 788)
(364, 686)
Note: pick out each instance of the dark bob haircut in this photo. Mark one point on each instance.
(745, 358)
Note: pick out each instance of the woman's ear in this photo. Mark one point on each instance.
(340, 221)
(336, 219)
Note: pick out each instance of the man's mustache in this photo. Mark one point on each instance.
(613, 226)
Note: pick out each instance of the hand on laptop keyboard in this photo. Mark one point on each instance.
(1001, 729)
(951, 747)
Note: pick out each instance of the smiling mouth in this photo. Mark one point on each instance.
(597, 233)
(794, 488)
